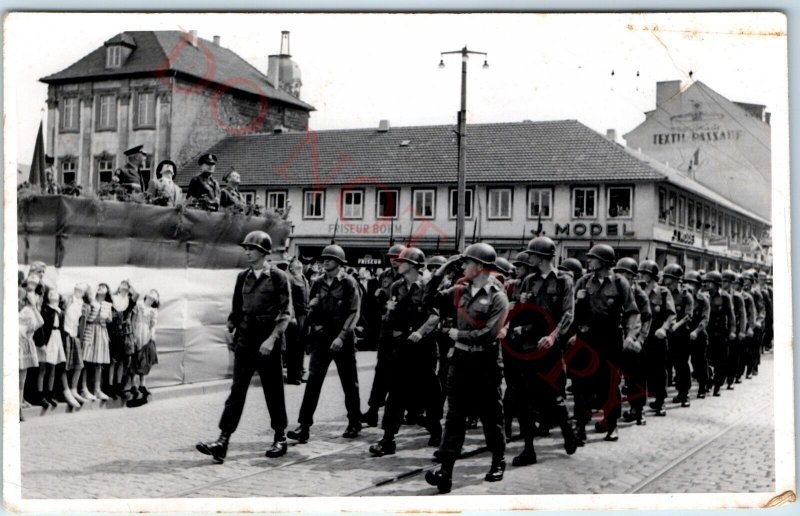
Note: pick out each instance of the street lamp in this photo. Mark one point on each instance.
(462, 144)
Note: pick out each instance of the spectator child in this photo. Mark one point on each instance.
(75, 311)
(30, 320)
(95, 338)
(120, 335)
(144, 332)
(50, 350)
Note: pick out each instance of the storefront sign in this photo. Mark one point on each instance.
(369, 260)
(683, 237)
(593, 230)
(696, 137)
(377, 228)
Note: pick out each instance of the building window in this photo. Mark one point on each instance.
(313, 204)
(105, 169)
(114, 56)
(145, 109)
(681, 211)
(713, 221)
(540, 202)
(69, 170)
(106, 112)
(698, 224)
(424, 204)
(69, 114)
(662, 205)
(352, 204)
(706, 223)
(276, 200)
(249, 197)
(672, 207)
(387, 204)
(738, 235)
(583, 203)
(468, 196)
(620, 202)
(499, 204)
(690, 221)
(720, 227)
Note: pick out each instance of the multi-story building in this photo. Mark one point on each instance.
(368, 187)
(721, 144)
(170, 91)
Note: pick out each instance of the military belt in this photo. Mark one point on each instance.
(471, 348)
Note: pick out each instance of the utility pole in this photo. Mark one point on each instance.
(462, 143)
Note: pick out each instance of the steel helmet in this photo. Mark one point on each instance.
(436, 261)
(692, 277)
(412, 255)
(747, 275)
(627, 264)
(334, 252)
(481, 253)
(520, 259)
(728, 275)
(713, 277)
(542, 246)
(259, 240)
(395, 250)
(649, 267)
(604, 253)
(573, 266)
(503, 266)
(673, 270)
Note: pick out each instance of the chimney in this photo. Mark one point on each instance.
(666, 90)
(611, 134)
(383, 126)
(216, 40)
(285, 43)
(192, 37)
(767, 116)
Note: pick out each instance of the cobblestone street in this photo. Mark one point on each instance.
(723, 444)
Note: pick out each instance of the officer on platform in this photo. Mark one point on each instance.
(203, 187)
(605, 316)
(409, 326)
(678, 332)
(383, 365)
(475, 373)
(334, 307)
(544, 313)
(129, 175)
(698, 338)
(721, 327)
(261, 311)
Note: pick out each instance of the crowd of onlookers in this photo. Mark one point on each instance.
(98, 344)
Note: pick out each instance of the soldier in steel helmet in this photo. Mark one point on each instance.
(736, 346)
(746, 358)
(539, 320)
(656, 347)
(261, 311)
(475, 373)
(762, 308)
(409, 326)
(383, 365)
(606, 315)
(678, 332)
(764, 285)
(333, 313)
(573, 267)
(632, 362)
(698, 338)
(721, 328)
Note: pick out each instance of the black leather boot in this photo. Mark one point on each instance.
(383, 447)
(497, 469)
(278, 448)
(570, 440)
(441, 478)
(526, 458)
(370, 417)
(217, 449)
(299, 434)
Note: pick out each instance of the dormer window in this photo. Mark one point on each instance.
(114, 56)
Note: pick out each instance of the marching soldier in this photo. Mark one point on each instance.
(129, 175)
(721, 327)
(678, 332)
(605, 315)
(762, 302)
(538, 322)
(633, 366)
(475, 373)
(261, 312)
(409, 325)
(334, 305)
(765, 286)
(698, 338)
(747, 359)
(383, 365)
(737, 344)
(573, 267)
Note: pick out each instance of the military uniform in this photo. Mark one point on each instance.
(699, 346)
(762, 302)
(334, 313)
(230, 197)
(295, 332)
(721, 324)
(633, 365)
(749, 351)
(130, 178)
(261, 305)
(736, 345)
(383, 365)
(679, 344)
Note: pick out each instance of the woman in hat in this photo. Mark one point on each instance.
(162, 191)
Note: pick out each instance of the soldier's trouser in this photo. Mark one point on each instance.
(594, 361)
(718, 358)
(736, 353)
(414, 374)
(295, 348)
(656, 357)
(699, 353)
(383, 370)
(679, 350)
(246, 361)
(321, 358)
(754, 346)
(635, 374)
(444, 343)
(473, 380)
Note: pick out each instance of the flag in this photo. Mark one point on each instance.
(36, 176)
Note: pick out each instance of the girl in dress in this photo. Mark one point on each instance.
(120, 335)
(144, 331)
(50, 349)
(75, 311)
(95, 337)
(30, 320)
